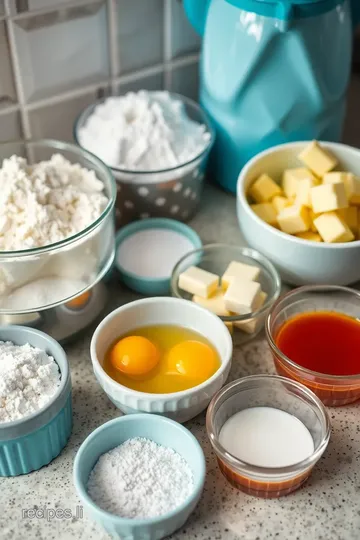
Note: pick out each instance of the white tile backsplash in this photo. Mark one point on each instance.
(65, 50)
(76, 51)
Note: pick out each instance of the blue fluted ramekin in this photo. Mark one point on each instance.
(161, 430)
(32, 442)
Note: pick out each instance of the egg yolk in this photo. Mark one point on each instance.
(134, 355)
(192, 359)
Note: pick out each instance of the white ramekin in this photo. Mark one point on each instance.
(180, 406)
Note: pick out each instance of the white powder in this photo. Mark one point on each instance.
(266, 437)
(153, 253)
(140, 479)
(29, 378)
(47, 202)
(144, 131)
(41, 292)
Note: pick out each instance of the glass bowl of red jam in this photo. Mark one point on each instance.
(314, 337)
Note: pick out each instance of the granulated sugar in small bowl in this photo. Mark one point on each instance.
(140, 476)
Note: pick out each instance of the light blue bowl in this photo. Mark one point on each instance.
(161, 430)
(152, 286)
(32, 442)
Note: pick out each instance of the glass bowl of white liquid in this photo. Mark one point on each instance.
(268, 432)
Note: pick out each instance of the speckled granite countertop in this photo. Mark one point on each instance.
(326, 508)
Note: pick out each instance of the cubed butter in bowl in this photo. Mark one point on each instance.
(314, 236)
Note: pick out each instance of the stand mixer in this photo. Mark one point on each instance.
(271, 72)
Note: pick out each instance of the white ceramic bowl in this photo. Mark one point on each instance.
(180, 406)
(300, 262)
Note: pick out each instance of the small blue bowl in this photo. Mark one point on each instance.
(152, 286)
(30, 443)
(156, 428)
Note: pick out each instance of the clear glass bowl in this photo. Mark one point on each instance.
(76, 263)
(267, 391)
(215, 258)
(171, 193)
(333, 390)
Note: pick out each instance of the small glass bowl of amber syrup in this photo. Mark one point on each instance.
(314, 336)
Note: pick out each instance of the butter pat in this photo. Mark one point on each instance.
(294, 219)
(350, 217)
(328, 197)
(303, 191)
(292, 177)
(242, 296)
(309, 235)
(279, 203)
(199, 282)
(333, 229)
(264, 189)
(238, 270)
(214, 303)
(317, 159)
(335, 178)
(266, 212)
(252, 325)
(352, 188)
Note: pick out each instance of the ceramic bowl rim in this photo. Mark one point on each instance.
(285, 359)
(225, 361)
(245, 206)
(198, 481)
(65, 373)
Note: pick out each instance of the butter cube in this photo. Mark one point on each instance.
(335, 178)
(292, 177)
(352, 188)
(350, 217)
(303, 191)
(333, 229)
(279, 203)
(294, 219)
(264, 189)
(238, 270)
(214, 303)
(251, 326)
(328, 197)
(309, 235)
(266, 212)
(312, 217)
(242, 296)
(198, 281)
(317, 159)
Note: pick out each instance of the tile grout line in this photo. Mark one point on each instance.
(167, 44)
(50, 9)
(123, 79)
(25, 122)
(112, 44)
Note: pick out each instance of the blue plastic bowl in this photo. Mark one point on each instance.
(161, 430)
(32, 442)
(152, 286)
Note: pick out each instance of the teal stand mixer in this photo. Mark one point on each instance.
(271, 71)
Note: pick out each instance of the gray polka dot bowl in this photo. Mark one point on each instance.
(170, 193)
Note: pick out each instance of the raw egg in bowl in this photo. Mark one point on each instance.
(314, 336)
(161, 355)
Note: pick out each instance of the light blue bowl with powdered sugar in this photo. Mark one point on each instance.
(162, 431)
(30, 442)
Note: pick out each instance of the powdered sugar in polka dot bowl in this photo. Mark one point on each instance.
(35, 400)
(157, 145)
(157, 490)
